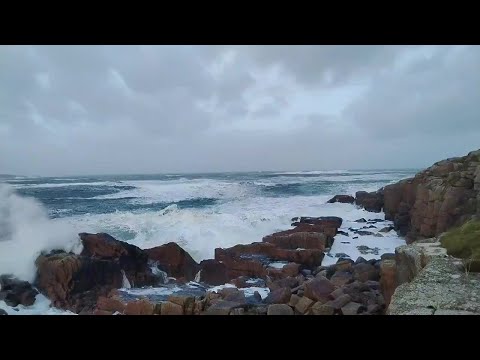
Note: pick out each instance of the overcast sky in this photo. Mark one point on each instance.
(158, 109)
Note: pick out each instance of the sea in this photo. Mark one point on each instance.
(198, 211)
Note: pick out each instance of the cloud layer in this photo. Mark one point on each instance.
(152, 109)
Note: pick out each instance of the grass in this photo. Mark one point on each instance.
(464, 243)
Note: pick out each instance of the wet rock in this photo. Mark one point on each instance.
(16, 292)
(360, 260)
(362, 220)
(321, 309)
(303, 240)
(343, 265)
(341, 278)
(169, 308)
(212, 272)
(294, 300)
(336, 293)
(319, 289)
(279, 309)
(342, 233)
(364, 232)
(279, 296)
(372, 201)
(3, 312)
(111, 304)
(346, 199)
(378, 235)
(289, 282)
(387, 256)
(339, 302)
(386, 229)
(175, 260)
(306, 272)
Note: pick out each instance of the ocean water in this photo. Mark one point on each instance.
(199, 211)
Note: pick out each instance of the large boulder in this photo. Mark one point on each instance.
(174, 260)
(370, 201)
(16, 292)
(319, 289)
(130, 258)
(75, 282)
(212, 272)
(346, 199)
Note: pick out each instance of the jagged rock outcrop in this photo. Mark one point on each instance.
(370, 201)
(445, 195)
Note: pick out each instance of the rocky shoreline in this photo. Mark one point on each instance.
(280, 275)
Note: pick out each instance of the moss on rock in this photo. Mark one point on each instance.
(464, 242)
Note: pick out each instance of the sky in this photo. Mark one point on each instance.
(73, 110)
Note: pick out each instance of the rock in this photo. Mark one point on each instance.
(306, 272)
(343, 256)
(303, 240)
(222, 307)
(374, 285)
(339, 302)
(294, 300)
(388, 256)
(355, 237)
(169, 308)
(187, 302)
(257, 296)
(279, 309)
(319, 289)
(353, 308)
(289, 282)
(279, 296)
(336, 293)
(347, 199)
(16, 292)
(235, 296)
(139, 307)
(322, 309)
(362, 220)
(364, 232)
(372, 201)
(303, 305)
(341, 278)
(388, 279)
(3, 312)
(74, 282)
(111, 304)
(369, 227)
(378, 235)
(360, 260)
(212, 272)
(441, 197)
(175, 260)
(344, 265)
(131, 259)
(386, 229)
(238, 311)
(374, 309)
(364, 272)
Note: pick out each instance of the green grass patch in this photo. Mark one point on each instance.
(464, 243)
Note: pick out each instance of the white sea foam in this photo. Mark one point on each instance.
(56, 185)
(42, 306)
(26, 230)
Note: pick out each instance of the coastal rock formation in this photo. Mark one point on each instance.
(15, 292)
(345, 199)
(174, 260)
(130, 258)
(370, 201)
(445, 195)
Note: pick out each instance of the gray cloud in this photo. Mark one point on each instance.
(126, 109)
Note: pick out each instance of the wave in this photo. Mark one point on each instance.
(25, 231)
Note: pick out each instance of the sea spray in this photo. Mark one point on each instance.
(26, 231)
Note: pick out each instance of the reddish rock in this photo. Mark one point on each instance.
(436, 199)
(294, 299)
(139, 307)
(185, 301)
(344, 265)
(175, 260)
(364, 272)
(213, 272)
(319, 289)
(279, 296)
(346, 199)
(321, 309)
(132, 260)
(372, 201)
(302, 240)
(388, 279)
(307, 257)
(303, 305)
(75, 282)
(279, 309)
(169, 308)
(111, 304)
(289, 282)
(289, 270)
(336, 293)
(341, 278)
